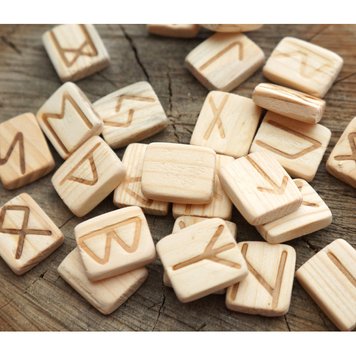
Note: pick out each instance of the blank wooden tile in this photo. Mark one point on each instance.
(342, 160)
(201, 259)
(172, 30)
(178, 173)
(311, 216)
(88, 176)
(232, 28)
(227, 123)
(27, 234)
(298, 147)
(260, 188)
(289, 102)
(303, 66)
(219, 207)
(24, 153)
(131, 114)
(114, 243)
(129, 191)
(68, 119)
(329, 277)
(76, 51)
(106, 295)
(267, 290)
(224, 61)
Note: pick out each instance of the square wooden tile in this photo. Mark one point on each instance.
(173, 30)
(129, 192)
(311, 216)
(225, 60)
(68, 119)
(114, 243)
(232, 28)
(178, 173)
(201, 259)
(27, 234)
(303, 66)
(289, 102)
(76, 51)
(106, 295)
(88, 176)
(131, 114)
(219, 207)
(260, 188)
(227, 123)
(297, 146)
(267, 289)
(342, 160)
(24, 153)
(329, 277)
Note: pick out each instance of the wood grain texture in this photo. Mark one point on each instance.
(41, 300)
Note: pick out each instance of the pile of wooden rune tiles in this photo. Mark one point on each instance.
(258, 154)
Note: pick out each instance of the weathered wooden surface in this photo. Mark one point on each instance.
(41, 300)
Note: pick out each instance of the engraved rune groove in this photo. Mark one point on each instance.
(108, 121)
(277, 189)
(211, 253)
(240, 48)
(216, 119)
(352, 156)
(110, 235)
(18, 139)
(64, 53)
(182, 224)
(342, 268)
(140, 199)
(88, 157)
(23, 231)
(304, 202)
(273, 291)
(315, 144)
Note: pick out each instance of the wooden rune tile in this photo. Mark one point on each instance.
(173, 30)
(232, 28)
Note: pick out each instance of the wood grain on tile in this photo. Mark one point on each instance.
(173, 30)
(232, 28)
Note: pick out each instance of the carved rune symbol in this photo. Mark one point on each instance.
(88, 157)
(211, 253)
(216, 119)
(352, 156)
(86, 49)
(18, 139)
(24, 230)
(108, 121)
(273, 291)
(140, 199)
(342, 268)
(110, 235)
(277, 189)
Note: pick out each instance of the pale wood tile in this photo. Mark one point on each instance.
(27, 234)
(173, 30)
(131, 114)
(232, 28)
(329, 277)
(88, 176)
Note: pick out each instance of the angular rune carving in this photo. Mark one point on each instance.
(217, 118)
(352, 156)
(17, 140)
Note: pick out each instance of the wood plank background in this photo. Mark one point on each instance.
(41, 300)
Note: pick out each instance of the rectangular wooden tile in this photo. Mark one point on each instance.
(178, 173)
(329, 277)
(24, 153)
(289, 102)
(201, 259)
(173, 30)
(297, 146)
(129, 191)
(342, 160)
(88, 176)
(27, 234)
(227, 123)
(114, 243)
(267, 289)
(131, 114)
(303, 66)
(76, 51)
(224, 61)
(232, 28)
(311, 216)
(219, 207)
(107, 295)
(68, 119)
(260, 188)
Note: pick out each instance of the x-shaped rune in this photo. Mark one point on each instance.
(24, 230)
(216, 119)
(352, 156)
